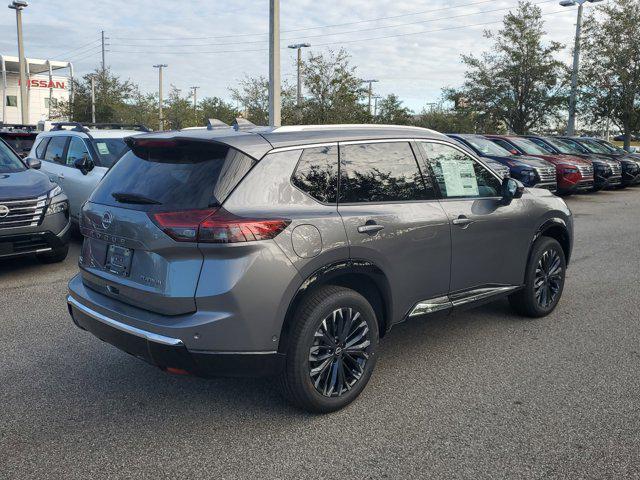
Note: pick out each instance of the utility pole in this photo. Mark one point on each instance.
(18, 6)
(103, 38)
(299, 47)
(571, 123)
(93, 99)
(160, 66)
(195, 101)
(370, 82)
(275, 104)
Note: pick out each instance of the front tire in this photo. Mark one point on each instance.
(544, 280)
(332, 350)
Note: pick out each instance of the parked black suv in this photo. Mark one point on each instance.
(34, 212)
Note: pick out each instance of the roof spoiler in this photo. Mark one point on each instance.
(214, 124)
(242, 124)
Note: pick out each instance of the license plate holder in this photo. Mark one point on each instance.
(119, 260)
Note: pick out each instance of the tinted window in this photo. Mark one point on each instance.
(55, 149)
(77, 149)
(41, 147)
(189, 175)
(542, 145)
(110, 150)
(9, 162)
(317, 173)
(381, 172)
(459, 175)
(504, 144)
(527, 146)
(487, 147)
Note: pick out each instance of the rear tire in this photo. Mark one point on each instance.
(332, 350)
(544, 280)
(55, 256)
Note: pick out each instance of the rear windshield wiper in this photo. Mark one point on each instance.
(123, 197)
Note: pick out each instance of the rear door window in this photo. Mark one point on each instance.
(317, 173)
(381, 172)
(179, 176)
(40, 149)
(55, 149)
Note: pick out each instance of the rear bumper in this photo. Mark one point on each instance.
(171, 353)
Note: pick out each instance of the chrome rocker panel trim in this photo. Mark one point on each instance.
(458, 299)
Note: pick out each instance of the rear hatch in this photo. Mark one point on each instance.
(127, 253)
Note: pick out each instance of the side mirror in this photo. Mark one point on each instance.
(513, 151)
(84, 164)
(34, 163)
(511, 188)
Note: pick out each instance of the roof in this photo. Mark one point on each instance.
(256, 142)
(97, 133)
(36, 65)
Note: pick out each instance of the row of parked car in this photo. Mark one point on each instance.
(561, 164)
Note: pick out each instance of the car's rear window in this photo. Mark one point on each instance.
(180, 176)
(110, 150)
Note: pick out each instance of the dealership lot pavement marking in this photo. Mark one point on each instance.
(482, 394)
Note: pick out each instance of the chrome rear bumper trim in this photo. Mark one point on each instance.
(152, 337)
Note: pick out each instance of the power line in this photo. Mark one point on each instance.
(95, 52)
(313, 28)
(82, 53)
(337, 33)
(75, 49)
(406, 34)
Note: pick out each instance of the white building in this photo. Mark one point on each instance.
(43, 88)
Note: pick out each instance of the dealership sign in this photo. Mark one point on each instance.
(43, 83)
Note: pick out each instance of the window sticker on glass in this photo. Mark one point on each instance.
(460, 178)
(102, 148)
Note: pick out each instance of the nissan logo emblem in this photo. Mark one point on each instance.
(107, 218)
(4, 211)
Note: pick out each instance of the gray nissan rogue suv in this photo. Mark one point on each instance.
(292, 250)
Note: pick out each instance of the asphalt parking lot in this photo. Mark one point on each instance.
(481, 394)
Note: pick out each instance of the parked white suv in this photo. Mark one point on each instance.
(77, 156)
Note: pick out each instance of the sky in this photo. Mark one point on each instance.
(412, 47)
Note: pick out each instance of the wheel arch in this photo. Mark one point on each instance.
(362, 276)
(557, 229)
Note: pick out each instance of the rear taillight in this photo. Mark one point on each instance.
(217, 226)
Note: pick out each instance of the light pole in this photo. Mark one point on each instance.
(18, 6)
(299, 47)
(274, 64)
(160, 66)
(571, 124)
(370, 82)
(195, 101)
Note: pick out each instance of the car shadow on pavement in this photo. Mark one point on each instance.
(104, 383)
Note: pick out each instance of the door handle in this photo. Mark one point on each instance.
(462, 221)
(370, 228)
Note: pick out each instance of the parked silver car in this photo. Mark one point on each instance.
(77, 156)
(292, 250)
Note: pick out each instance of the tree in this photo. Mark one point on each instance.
(335, 93)
(253, 95)
(214, 107)
(391, 111)
(610, 73)
(519, 81)
(178, 110)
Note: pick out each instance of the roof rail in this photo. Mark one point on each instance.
(119, 126)
(214, 123)
(77, 126)
(242, 124)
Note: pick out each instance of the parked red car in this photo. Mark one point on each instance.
(573, 173)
